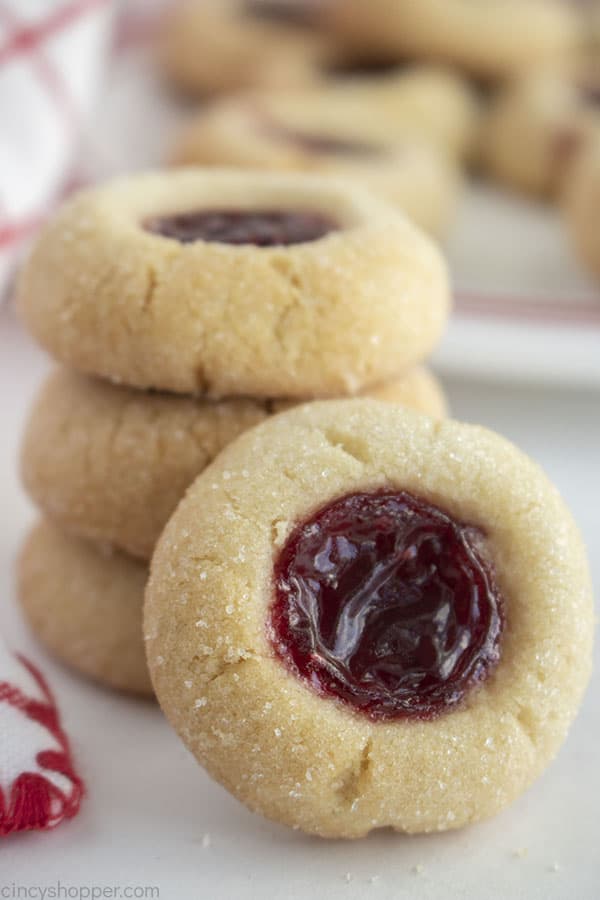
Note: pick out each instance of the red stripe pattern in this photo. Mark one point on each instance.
(29, 41)
(538, 310)
(25, 39)
(34, 800)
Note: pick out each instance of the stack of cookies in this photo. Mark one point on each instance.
(187, 307)
(357, 617)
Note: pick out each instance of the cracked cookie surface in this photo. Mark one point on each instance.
(107, 297)
(309, 760)
(111, 463)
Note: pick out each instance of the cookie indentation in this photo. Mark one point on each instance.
(385, 602)
(589, 92)
(260, 227)
(365, 67)
(326, 144)
(281, 12)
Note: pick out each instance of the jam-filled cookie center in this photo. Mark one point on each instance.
(364, 67)
(260, 227)
(589, 92)
(324, 144)
(385, 602)
(283, 12)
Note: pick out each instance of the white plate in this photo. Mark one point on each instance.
(525, 308)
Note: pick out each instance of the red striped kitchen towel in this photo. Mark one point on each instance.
(39, 786)
(52, 53)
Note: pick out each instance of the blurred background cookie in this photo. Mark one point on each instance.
(209, 46)
(425, 102)
(537, 125)
(491, 40)
(410, 172)
(432, 101)
(83, 601)
(582, 205)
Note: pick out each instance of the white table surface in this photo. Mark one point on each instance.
(153, 818)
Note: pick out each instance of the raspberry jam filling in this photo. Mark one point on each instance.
(261, 227)
(590, 93)
(326, 144)
(566, 144)
(365, 67)
(285, 12)
(386, 603)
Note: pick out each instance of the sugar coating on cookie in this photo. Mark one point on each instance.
(111, 463)
(280, 733)
(110, 293)
(83, 601)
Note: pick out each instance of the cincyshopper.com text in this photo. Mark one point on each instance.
(63, 891)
